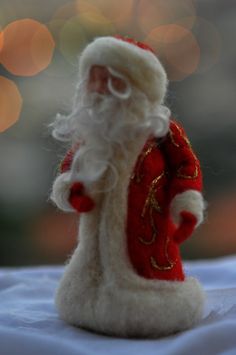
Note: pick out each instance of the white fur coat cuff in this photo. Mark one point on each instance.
(60, 192)
(190, 201)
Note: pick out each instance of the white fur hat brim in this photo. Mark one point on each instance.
(140, 66)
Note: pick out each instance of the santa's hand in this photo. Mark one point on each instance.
(188, 201)
(186, 227)
(61, 192)
(78, 200)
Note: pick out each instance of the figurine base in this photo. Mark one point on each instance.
(111, 309)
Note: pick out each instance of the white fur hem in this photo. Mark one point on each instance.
(191, 201)
(60, 192)
(133, 312)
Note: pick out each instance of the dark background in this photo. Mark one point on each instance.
(195, 40)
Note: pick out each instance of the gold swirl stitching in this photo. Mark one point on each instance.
(136, 175)
(182, 136)
(152, 204)
(171, 263)
(185, 176)
(196, 170)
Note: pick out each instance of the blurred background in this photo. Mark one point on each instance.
(40, 42)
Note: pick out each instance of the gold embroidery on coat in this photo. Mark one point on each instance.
(186, 176)
(182, 136)
(171, 263)
(196, 169)
(137, 175)
(152, 204)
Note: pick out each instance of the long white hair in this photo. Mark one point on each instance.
(101, 124)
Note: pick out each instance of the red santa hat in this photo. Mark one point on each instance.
(134, 59)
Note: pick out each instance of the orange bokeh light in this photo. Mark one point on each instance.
(27, 48)
(1, 40)
(153, 13)
(55, 234)
(10, 103)
(177, 48)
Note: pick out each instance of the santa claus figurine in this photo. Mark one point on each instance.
(135, 182)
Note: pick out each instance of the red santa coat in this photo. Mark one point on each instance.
(164, 168)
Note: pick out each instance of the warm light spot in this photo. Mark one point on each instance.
(55, 235)
(115, 11)
(72, 39)
(77, 31)
(10, 103)
(73, 9)
(209, 42)
(153, 13)
(217, 236)
(1, 40)
(177, 48)
(27, 48)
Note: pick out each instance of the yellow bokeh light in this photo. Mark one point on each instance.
(153, 13)
(177, 48)
(73, 9)
(115, 11)
(10, 103)
(27, 48)
(72, 39)
(77, 31)
(66, 11)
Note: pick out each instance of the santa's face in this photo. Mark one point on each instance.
(101, 80)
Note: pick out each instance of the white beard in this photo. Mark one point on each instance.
(103, 124)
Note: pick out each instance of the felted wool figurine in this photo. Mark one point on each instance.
(135, 182)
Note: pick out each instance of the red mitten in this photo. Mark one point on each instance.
(79, 201)
(186, 227)
(77, 189)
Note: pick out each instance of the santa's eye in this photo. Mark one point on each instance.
(118, 84)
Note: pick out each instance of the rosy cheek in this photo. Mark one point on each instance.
(98, 80)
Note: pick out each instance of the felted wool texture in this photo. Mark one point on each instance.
(150, 227)
(100, 289)
(191, 201)
(61, 192)
(184, 161)
(141, 66)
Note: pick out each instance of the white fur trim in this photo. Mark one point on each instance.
(60, 192)
(100, 290)
(122, 310)
(191, 201)
(141, 66)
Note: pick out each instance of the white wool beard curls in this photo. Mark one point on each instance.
(102, 123)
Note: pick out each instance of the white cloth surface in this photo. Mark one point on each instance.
(29, 324)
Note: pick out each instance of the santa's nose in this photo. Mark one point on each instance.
(98, 79)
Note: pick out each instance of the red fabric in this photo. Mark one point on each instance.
(164, 168)
(67, 161)
(78, 198)
(134, 42)
(186, 228)
(81, 203)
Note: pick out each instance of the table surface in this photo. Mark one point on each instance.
(29, 324)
